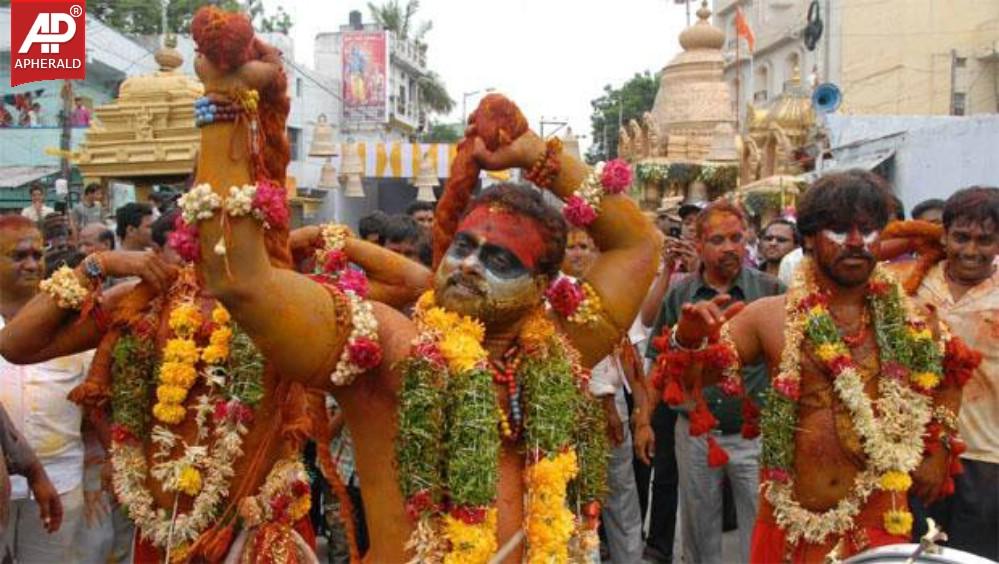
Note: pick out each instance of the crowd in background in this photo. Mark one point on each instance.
(666, 504)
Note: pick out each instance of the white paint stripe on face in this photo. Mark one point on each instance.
(839, 237)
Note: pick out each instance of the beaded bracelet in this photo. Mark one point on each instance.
(544, 170)
(216, 108)
(65, 289)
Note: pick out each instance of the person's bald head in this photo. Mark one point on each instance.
(95, 237)
(21, 257)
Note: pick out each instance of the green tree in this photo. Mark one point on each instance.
(616, 106)
(439, 132)
(401, 20)
(143, 17)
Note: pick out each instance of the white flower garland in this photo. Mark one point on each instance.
(129, 480)
(240, 200)
(64, 288)
(892, 440)
(199, 203)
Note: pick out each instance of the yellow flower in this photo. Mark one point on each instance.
(215, 354)
(817, 311)
(178, 374)
(220, 315)
(180, 350)
(171, 394)
(300, 508)
(549, 524)
(426, 301)
(461, 351)
(470, 544)
(180, 553)
(828, 351)
(189, 481)
(898, 522)
(926, 380)
(472, 327)
(895, 481)
(185, 319)
(440, 319)
(220, 336)
(920, 334)
(169, 413)
(536, 332)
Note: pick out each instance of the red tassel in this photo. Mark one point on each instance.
(947, 489)
(957, 446)
(955, 466)
(673, 394)
(716, 454)
(701, 420)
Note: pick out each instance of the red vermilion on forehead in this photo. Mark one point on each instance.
(503, 228)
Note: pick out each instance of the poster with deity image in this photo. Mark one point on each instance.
(365, 76)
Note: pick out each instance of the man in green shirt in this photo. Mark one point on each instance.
(721, 244)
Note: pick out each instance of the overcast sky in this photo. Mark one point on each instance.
(550, 56)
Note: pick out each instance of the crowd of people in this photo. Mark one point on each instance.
(666, 502)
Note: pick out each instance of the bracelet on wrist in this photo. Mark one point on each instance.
(544, 170)
(65, 289)
(675, 343)
(583, 207)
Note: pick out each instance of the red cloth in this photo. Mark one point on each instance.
(769, 544)
(146, 553)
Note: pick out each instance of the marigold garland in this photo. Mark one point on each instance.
(449, 440)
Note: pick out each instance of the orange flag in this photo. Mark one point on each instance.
(742, 29)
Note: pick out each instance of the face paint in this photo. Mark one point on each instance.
(485, 280)
(497, 225)
(839, 237)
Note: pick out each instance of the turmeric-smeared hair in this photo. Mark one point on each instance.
(497, 122)
(227, 40)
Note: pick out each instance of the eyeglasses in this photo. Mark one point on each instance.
(777, 238)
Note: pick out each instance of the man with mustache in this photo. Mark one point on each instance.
(721, 243)
(861, 392)
(964, 289)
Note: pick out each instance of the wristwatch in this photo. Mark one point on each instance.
(93, 269)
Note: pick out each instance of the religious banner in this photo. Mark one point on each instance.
(365, 76)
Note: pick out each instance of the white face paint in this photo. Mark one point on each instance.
(839, 237)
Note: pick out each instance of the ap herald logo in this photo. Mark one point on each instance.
(48, 40)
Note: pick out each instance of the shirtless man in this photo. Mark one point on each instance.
(821, 449)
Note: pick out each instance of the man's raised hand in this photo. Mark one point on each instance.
(703, 320)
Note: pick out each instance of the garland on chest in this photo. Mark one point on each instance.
(452, 428)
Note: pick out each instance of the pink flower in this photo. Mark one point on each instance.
(616, 177)
(578, 212)
(335, 262)
(121, 434)
(240, 412)
(299, 488)
(776, 475)
(431, 353)
(364, 352)
(270, 201)
(221, 411)
(895, 371)
(732, 386)
(788, 388)
(184, 240)
(565, 296)
(352, 280)
(839, 364)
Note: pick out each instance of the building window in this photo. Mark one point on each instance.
(761, 83)
(294, 137)
(298, 87)
(401, 101)
(957, 104)
(960, 62)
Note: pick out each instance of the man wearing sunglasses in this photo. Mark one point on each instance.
(779, 238)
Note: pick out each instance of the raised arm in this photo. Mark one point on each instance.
(629, 248)
(392, 278)
(42, 330)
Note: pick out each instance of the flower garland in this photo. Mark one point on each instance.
(265, 201)
(64, 288)
(576, 301)
(582, 208)
(285, 496)
(362, 351)
(449, 440)
(891, 428)
(233, 372)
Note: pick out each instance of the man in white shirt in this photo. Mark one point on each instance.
(35, 397)
(37, 210)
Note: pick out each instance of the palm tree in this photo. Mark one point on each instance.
(394, 17)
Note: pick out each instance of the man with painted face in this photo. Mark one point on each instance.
(835, 469)
(506, 250)
(721, 243)
(964, 290)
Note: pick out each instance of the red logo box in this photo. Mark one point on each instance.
(47, 40)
